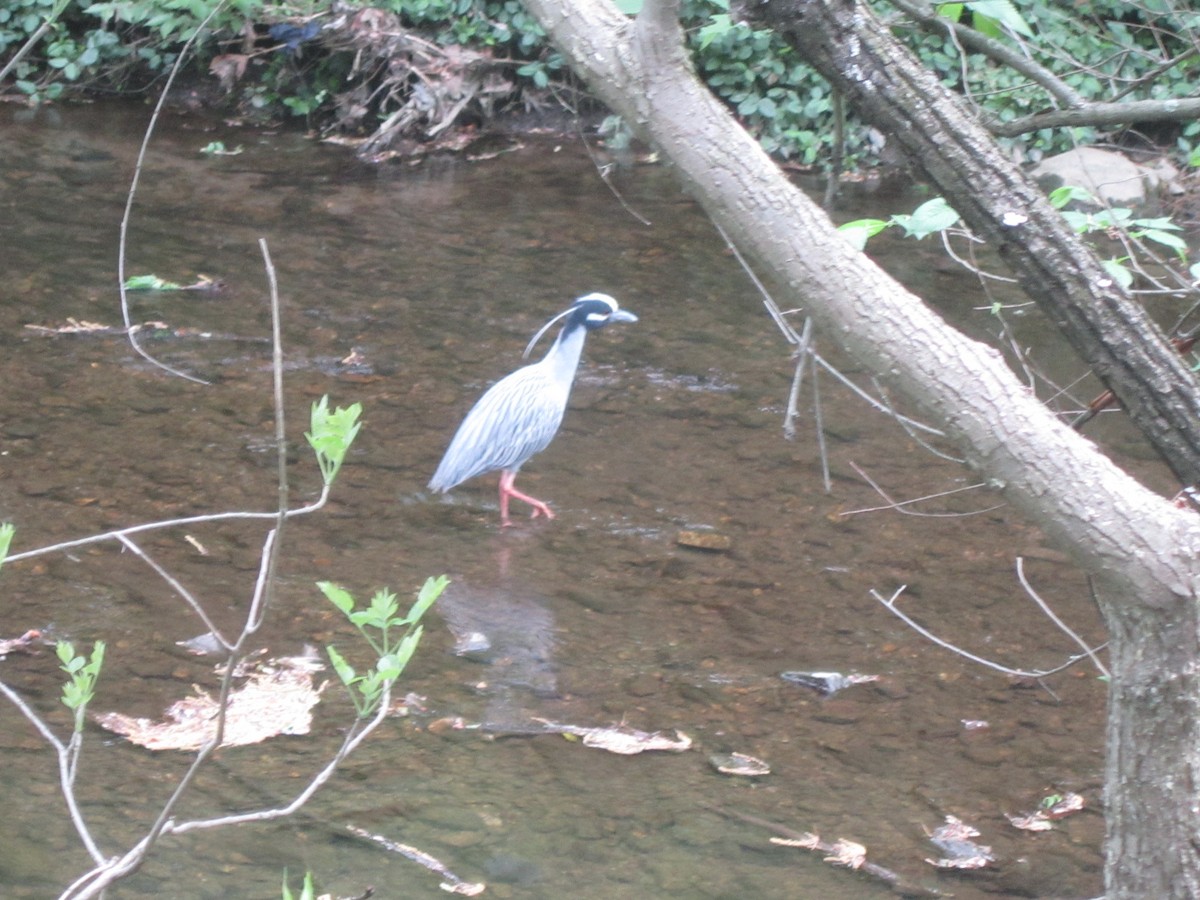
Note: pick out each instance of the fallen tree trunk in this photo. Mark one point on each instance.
(1141, 549)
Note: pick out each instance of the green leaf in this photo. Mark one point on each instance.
(7, 530)
(1080, 222)
(860, 231)
(430, 591)
(345, 672)
(65, 651)
(1162, 223)
(1120, 273)
(389, 667)
(1002, 11)
(719, 25)
(331, 435)
(337, 595)
(384, 606)
(408, 646)
(951, 11)
(1060, 197)
(1174, 241)
(929, 218)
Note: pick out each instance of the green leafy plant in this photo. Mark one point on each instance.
(930, 217)
(7, 530)
(78, 692)
(936, 215)
(331, 434)
(1100, 48)
(989, 17)
(378, 623)
(307, 890)
(1160, 229)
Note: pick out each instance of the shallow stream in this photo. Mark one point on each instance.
(437, 274)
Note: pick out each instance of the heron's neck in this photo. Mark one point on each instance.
(563, 358)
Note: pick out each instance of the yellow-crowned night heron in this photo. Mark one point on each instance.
(519, 415)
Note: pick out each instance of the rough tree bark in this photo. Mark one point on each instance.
(1142, 550)
(889, 88)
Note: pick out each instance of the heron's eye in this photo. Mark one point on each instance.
(597, 318)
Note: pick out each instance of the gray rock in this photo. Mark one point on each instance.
(1111, 176)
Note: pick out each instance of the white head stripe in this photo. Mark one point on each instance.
(603, 298)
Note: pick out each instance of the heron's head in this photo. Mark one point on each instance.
(591, 311)
(597, 310)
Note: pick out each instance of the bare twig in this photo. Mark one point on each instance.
(890, 603)
(116, 534)
(33, 39)
(451, 884)
(898, 505)
(876, 405)
(1045, 607)
(927, 16)
(604, 170)
(66, 769)
(802, 359)
(178, 587)
(819, 422)
(130, 331)
(909, 426)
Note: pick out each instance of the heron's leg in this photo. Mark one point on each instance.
(507, 490)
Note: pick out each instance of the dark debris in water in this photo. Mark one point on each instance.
(826, 683)
(953, 839)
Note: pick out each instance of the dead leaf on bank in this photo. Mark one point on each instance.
(229, 69)
(277, 698)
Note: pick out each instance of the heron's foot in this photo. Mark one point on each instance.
(507, 492)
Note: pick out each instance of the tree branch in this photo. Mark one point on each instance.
(927, 17)
(1102, 114)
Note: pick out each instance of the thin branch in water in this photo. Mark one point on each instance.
(1045, 607)
(793, 401)
(115, 535)
(97, 880)
(905, 423)
(871, 401)
(890, 603)
(973, 268)
(898, 505)
(130, 331)
(178, 587)
(819, 422)
(66, 770)
(266, 586)
(604, 170)
(354, 737)
(776, 314)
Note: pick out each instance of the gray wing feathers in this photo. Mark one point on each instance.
(517, 417)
